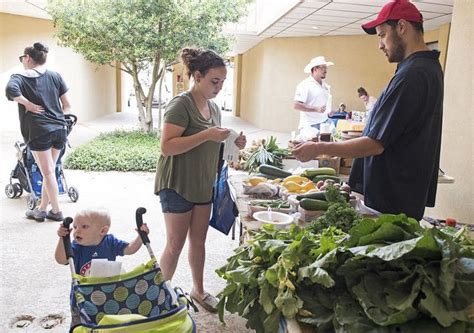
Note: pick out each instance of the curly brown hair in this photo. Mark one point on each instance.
(201, 60)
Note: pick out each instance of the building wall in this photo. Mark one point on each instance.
(92, 90)
(272, 69)
(457, 150)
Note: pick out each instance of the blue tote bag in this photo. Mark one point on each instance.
(224, 209)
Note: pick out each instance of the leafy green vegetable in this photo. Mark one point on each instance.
(267, 152)
(386, 275)
(340, 213)
(278, 203)
(268, 267)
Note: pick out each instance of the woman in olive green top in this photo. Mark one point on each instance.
(187, 167)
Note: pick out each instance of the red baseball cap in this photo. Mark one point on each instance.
(394, 10)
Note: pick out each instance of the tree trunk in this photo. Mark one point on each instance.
(147, 126)
(143, 104)
(160, 86)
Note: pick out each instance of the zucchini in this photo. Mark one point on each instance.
(320, 196)
(310, 173)
(315, 195)
(324, 177)
(313, 204)
(264, 175)
(273, 171)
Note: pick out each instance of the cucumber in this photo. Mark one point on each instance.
(310, 173)
(273, 171)
(315, 195)
(264, 175)
(313, 204)
(324, 177)
(320, 196)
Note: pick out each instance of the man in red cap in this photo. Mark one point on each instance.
(397, 157)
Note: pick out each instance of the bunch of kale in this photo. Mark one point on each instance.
(386, 275)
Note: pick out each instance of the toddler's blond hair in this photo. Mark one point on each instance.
(99, 216)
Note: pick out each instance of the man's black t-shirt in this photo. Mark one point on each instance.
(45, 89)
(407, 120)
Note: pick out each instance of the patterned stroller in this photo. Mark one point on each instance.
(137, 301)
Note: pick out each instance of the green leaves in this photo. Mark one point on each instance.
(143, 36)
(340, 213)
(133, 31)
(389, 275)
(268, 266)
(117, 151)
(267, 152)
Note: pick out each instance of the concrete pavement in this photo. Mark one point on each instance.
(34, 288)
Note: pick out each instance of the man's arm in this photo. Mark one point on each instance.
(300, 106)
(358, 147)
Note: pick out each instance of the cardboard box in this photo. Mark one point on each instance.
(330, 161)
(309, 215)
(346, 162)
(345, 170)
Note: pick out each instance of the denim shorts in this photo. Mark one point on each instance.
(55, 139)
(172, 202)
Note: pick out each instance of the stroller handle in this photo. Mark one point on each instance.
(66, 239)
(139, 218)
(71, 117)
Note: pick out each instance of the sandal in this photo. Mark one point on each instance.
(208, 302)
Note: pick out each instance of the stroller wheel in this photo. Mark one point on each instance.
(18, 189)
(31, 201)
(10, 191)
(73, 194)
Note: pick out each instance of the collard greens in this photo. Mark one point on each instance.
(384, 275)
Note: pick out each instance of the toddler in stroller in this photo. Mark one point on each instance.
(29, 176)
(137, 301)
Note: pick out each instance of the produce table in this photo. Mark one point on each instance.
(236, 180)
(246, 223)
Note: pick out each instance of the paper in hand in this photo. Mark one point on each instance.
(231, 151)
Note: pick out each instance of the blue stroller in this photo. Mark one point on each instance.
(29, 176)
(137, 301)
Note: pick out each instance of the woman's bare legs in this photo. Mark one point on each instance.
(193, 225)
(177, 226)
(197, 246)
(46, 161)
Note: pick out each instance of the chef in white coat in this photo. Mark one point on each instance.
(313, 95)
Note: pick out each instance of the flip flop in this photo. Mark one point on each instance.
(208, 302)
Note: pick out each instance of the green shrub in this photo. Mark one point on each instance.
(117, 151)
